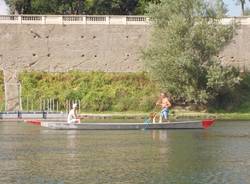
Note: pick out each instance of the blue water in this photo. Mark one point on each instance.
(219, 155)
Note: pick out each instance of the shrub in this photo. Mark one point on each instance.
(97, 91)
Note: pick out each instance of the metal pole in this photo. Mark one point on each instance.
(67, 105)
(47, 104)
(27, 103)
(40, 105)
(50, 105)
(43, 105)
(20, 96)
(53, 104)
(32, 104)
(79, 104)
(5, 91)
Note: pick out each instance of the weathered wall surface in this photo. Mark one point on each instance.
(67, 47)
(92, 47)
(237, 53)
(59, 48)
(110, 48)
(12, 90)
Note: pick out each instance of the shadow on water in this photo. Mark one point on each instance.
(30, 154)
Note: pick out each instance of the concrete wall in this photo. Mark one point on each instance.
(116, 48)
(237, 53)
(67, 47)
(92, 47)
(59, 48)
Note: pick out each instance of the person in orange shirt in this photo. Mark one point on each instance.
(164, 103)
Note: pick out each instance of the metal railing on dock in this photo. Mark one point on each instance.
(33, 115)
(30, 104)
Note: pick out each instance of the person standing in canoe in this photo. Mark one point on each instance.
(72, 117)
(164, 103)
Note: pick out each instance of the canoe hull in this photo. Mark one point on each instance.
(125, 126)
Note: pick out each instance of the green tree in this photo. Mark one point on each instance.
(182, 54)
(47, 6)
(116, 7)
(72, 7)
(242, 5)
(247, 12)
(19, 6)
(142, 6)
(216, 8)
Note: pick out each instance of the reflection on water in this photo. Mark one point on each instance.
(159, 135)
(71, 142)
(30, 154)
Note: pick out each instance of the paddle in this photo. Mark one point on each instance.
(147, 122)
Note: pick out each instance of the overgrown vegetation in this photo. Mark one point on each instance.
(97, 91)
(182, 57)
(117, 92)
(235, 100)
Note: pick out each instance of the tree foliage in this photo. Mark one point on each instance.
(247, 12)
(242, 5)
(76, 7)
(182, 56)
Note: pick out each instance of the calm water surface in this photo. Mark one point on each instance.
(30, 154)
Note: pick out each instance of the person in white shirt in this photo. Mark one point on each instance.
(72, 117)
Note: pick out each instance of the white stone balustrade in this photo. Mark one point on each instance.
(4, 19)
(73, 19)
(94, 19)
(34, 19)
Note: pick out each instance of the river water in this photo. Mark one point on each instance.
(30, 154)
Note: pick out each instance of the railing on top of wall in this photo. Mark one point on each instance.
(73, 19)
(94, 19)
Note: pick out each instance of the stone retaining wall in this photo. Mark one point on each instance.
(88, 47)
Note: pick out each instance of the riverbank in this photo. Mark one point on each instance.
(175, 114)
(129, 115)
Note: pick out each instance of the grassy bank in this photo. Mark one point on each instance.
(217, 116)
(121, 95)
(126, 93)
(175, 114)
(95, 91)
